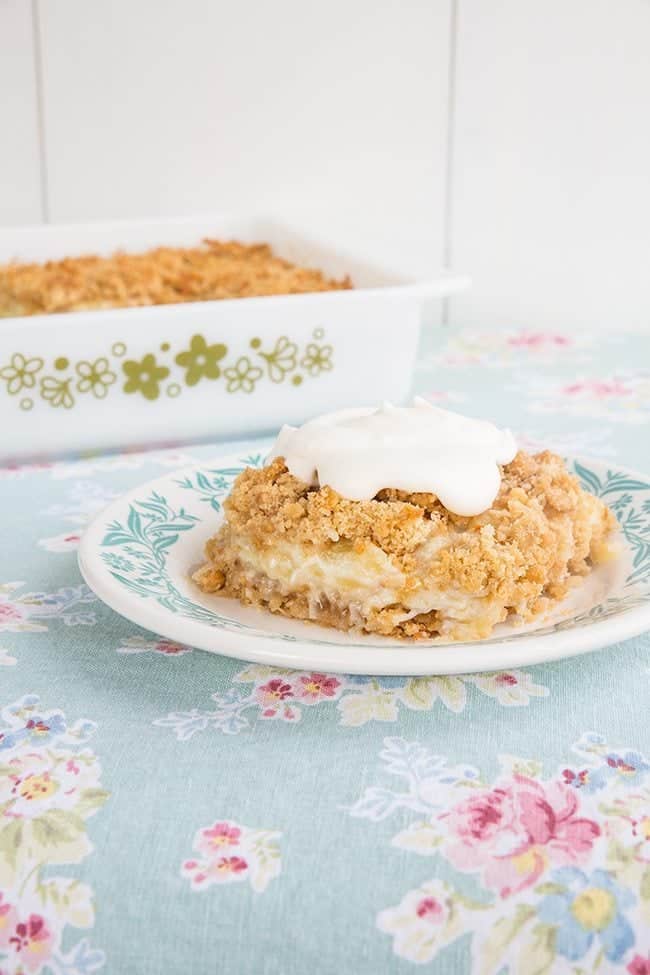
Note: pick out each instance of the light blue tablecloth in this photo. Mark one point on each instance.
(168, 812)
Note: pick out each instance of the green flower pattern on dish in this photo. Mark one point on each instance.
(95, 377)
(317, 359)
(21, 373)
(201, 360)
(144, 376)
(242, 376)
(281, 360)
(278, 362)
(57, 392)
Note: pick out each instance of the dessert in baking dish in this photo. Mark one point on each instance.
(163, 276)
(407, 522)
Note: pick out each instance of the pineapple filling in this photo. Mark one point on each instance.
(365, 581)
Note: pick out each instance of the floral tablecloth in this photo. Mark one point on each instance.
(163, 810)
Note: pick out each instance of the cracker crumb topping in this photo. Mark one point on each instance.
(164, 275)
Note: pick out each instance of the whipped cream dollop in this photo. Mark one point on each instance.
(413, 448)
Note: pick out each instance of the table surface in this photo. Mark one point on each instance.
(163, 810)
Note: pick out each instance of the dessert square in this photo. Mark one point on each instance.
(401, 564)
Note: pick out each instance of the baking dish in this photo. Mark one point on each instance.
(102, 379)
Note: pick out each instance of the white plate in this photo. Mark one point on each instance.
(137, 556)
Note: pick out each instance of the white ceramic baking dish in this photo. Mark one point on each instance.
(113, 378)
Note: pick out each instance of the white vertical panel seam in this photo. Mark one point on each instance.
(447, 245)
(40, 112)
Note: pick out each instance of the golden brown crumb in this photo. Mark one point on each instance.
(165, 275)
(518, 557)
(210, 579)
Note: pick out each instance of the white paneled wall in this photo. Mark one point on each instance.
(20, 164)
(551, 176)
(341, 114)
(188, 105)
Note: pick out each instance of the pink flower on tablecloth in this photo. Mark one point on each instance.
(425, 920)
(9, 613)
(47, 792)
(273, 691)
(222, 870)
(577, 780)
(14, 472)
(230, 852)
(67, 542)
(30, 944)
(599, 388)
(430, 909)
(534, 340)
(7, 920)
(639, 965)
(233, 865)
(311, 688)
(512, 688)
(169, 648)
(140, 644)
(629, 824)
(640, 831)
(273, 696)
(41, 780)
(218, 837)
(512, 833)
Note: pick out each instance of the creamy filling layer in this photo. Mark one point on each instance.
(363, 582)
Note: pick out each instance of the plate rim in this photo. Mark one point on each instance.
(410, 661)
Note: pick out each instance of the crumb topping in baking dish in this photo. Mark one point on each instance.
(165, 275)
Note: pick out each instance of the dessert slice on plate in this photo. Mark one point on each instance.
(407, 522)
